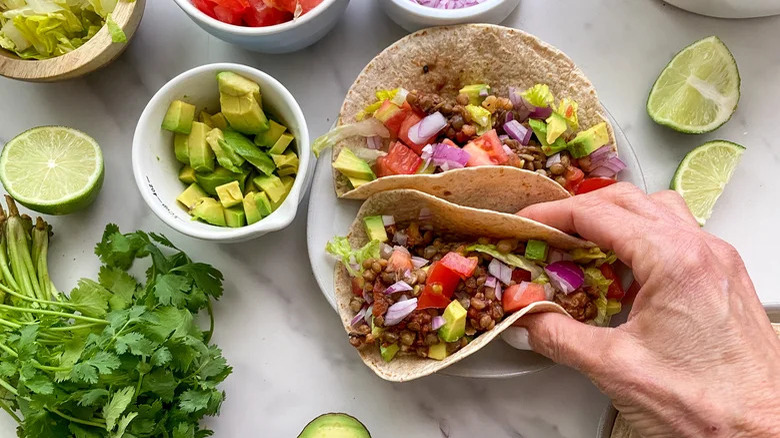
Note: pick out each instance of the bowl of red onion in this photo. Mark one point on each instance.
(414, 15)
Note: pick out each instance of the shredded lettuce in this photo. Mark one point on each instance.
(341, 248)
(116, 32)
(381, 96)
(568, 109)
(595, 279)
(510, 259)
(582, 255)
(539, 95)
(365, 128)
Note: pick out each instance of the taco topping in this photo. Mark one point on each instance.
(416, 291)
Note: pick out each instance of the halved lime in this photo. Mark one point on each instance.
(698, 91)
(52, 169)
(703, 173)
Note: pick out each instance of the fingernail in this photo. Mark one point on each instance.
(517, 337)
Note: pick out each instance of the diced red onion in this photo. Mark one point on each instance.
(354, 266)
(401, 248)
(407, 273)
(507, 149)
(425, 214)
(452, 157)
(565, 276)
(483, 92)
(437, 322)
(509, 117)
(448, 4)
(388, 220)
(554, 159)
(369, 314)
(540, 112)
(549, 292)
(517, 131)
(403, 298)
(385, 251)
(499, 292)
(374, 142)
(359, 317)
(427, 128)
(368, 296)
(491, 281)
(556, 255)
(500, 271)
(400, 310)
(600, 155)
(400, 237)
(418, 262)
(503, 137)
(609, 168)
(398, 286)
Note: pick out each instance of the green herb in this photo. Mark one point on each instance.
(115, 358)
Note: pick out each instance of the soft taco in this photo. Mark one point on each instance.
(449, 100)
(424, 283)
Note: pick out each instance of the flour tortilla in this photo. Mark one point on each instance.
(461, 55)
(406, 205)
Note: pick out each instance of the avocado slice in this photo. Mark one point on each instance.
(187, 175)
(353, 167)
(226, 157)
(241, 103)
(438, 351)
(230, 194)
(474, 92)
(389, 352)
(586, 142)
(218, 120)
(356, 182)
(268, 138)
(209, 210)
(205, 118)
(191, 195)
(246, 149)
(250, 184)
(201, 155)
(540, 131)
(180, 147)
(235, 216)
(287, 171)
(220, 175)
(556, 126)
(281, 144)
(263, 204)
(250, 208)
(536, 250)
(454, 322)
(288, 159)
(272, 186)
(375, 228)
(335, 426)
(179, 117)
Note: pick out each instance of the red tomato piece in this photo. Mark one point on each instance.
(520, 295)
(399, 161)
(477, 156)
(283, 5)
(438, 275)
(491, 145)
(400, 260)
(520, 275)
(463, 266)
(574, 177)
(206, 6)
(308, 5)
(615, 289)
(411, 120)
(449, 142)
(591, 184)
(260, 14)
(229, 16)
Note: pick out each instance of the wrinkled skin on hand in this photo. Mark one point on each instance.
(697, 357)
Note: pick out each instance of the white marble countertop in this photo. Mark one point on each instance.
(290, 355)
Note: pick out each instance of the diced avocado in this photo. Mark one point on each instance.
(481, 117)
(230, 194)
(272, 186)
(250, 185)
(250, 208)
(335, 426)
(187, 175)
(209, 210)
(357, 182)
(586, 142)
(191, 195)
(389, 352)
(218, 120)
(281, 144)
(375, 228)
(235, 216)
(241, 103)
(536, 250)
(263, 204)
(201, 155)
(246, 149)
(475, 92)
(287, 171)
(288, 159)
(226, 156)
(220, 175)
(425, 170)
(376, 331)
(287, 182)
(180, 147)
(540, 131)
(556, 126)
(353, 167)
(205, 118)
(179, 117)
(438, 351)
(268, 138)
(454, 322)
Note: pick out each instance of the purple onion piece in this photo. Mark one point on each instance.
(427, 128)
(374, 142)
(491, 281)
(500, 271)
(541, 112)
(499, 292)
(517, 131)
(437, 322)
(565, 276)
(398, 286)
(359, 317)
(400, 310)
(419, 262)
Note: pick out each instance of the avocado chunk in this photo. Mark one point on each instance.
(586, 142)
(356, 182)
(425, 170)
(250, 185)
(179, 117)
(220, 175)
(209, 210)
(230, 194)
(180, 148)
(288, 159)
(287, 171)
(454, 322)
(263, 204)
(556, 126)
(389, 352)
(536, 250)
(268, 138)
(249, 151)
(201, 155)
(187, 175)
(353, 167)
(241, 103)
(191, 195)
(438, 351)
(540, 131)
(226, 156)
(475, 92)
(235, 216)
(281, 144)
(375, 228)
(272, 186)
(205, 118)
(335, 426)
(218, 120)
(480, 116)
(250, 208)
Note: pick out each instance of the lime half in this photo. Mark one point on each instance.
(52, 169)
(698, 91)
(703, 173)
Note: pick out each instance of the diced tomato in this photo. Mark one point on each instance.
(206, 6)
(438, 275)
(259, 15)
(591, 184)
(520, 275)
(392, 116)
(283, 5)
(400, 260)
(615, 289)
(574, 177)
(449, 142)
(491, 145)
(463, 266)
(399, 161)
(520, 295)
(357, 286)
(226, 13)
(403, 133)
(308, 5)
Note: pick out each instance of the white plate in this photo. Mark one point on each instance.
(330, 216)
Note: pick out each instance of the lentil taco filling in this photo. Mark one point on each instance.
(416, 291)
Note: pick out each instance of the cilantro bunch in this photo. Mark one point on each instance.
(116, 358)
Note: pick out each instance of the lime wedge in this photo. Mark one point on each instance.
(52, 169)
(698, 90)
(703, 173)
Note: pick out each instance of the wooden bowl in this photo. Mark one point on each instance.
(98, 52)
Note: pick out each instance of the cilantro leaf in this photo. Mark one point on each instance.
(40, 384)
(120, 283)
(171, 288)
(117, 405)
(90, 298)
(91, 397)
(136, 343)
(194, 400)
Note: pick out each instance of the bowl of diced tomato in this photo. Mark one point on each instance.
(268, 26)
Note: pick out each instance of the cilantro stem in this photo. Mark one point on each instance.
(40, 238)
(74, 327)
(8, 409)
(8, 350)
(78, 420)
(13, 325)
(35, 363)
(211, 321)
(53, 313)
(35, 300)
(19, 252)
(8, 387)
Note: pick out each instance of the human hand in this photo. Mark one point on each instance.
(697, 356)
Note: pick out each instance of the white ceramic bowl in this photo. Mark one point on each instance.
(730, 8)
(413, 17)
(156, 169)
(281, 38)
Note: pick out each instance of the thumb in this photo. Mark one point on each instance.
(564, 340)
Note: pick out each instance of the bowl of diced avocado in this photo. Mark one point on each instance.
(221, 153)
